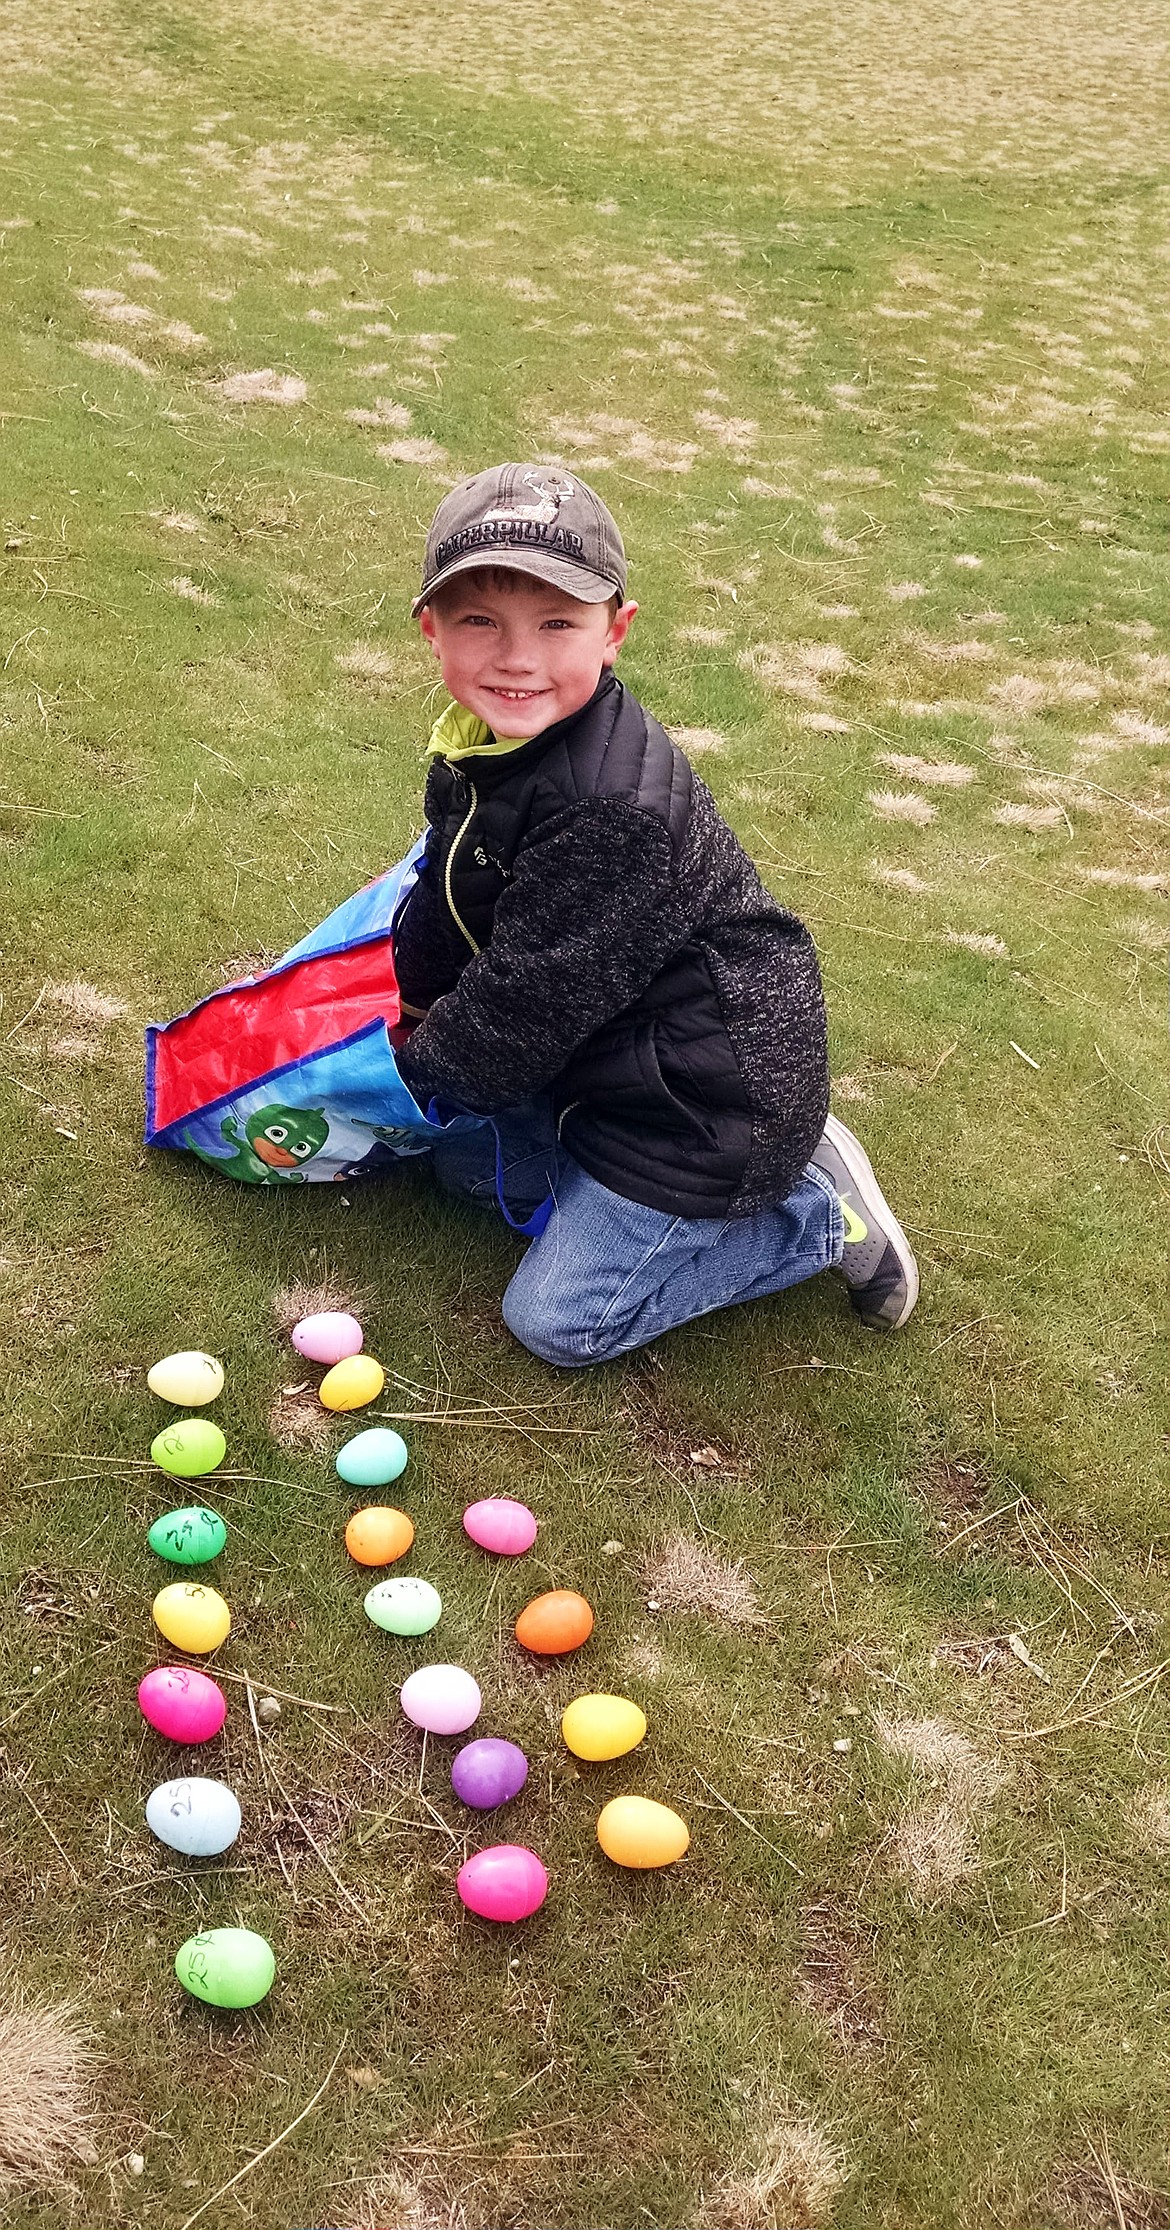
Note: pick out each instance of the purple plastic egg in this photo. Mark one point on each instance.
(488, 1772)
(331, 1337)
(183, 1704)
(443, 1699)
(505, 1527)
(506, 1882)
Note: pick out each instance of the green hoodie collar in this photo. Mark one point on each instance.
(458, 733)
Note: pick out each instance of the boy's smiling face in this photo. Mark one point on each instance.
(518, 652)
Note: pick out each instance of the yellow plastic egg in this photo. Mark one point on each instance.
(188, 1380)
(191, 1617)
(634, 1831)
(603, 1726)
(352, 1383)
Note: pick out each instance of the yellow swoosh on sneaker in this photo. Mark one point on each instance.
(855, 1228)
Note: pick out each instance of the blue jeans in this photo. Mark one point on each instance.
(606, 1274)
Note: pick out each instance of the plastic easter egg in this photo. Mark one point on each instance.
(634, 1831)
(555, 1622)
(182, 1704)
(226, 1966)
(200, 1818)
(505, 1882)
(373, 1458)
(441, 1698)
(602, 1726)
(505, 1527)
(188, 1380)
(488, 1772)
(194, 1618)
(328, 1338)
(378, 1535)
(352, 1383)
(189, 1448)
(191, 1536)
(404, 1606)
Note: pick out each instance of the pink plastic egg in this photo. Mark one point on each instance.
(506, 1882)
(183, 1704)
(505, 1527)
(331, 1337)
(443, 1699)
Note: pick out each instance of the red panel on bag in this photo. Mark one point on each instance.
(247, 1029)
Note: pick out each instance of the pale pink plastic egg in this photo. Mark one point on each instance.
(505, 1527)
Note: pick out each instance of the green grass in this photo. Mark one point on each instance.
(894, 273)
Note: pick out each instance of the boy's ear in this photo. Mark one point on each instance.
(426, 628)
(619, 628)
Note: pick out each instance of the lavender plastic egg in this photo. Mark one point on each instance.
(330, 1337)
(443, 1699)
(506, 1882)
(488, 1772)
(505, 1527)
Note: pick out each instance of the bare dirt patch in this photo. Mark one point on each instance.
(830, 1978)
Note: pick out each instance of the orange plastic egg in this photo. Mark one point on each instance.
(555, 1622)
(378, 1536)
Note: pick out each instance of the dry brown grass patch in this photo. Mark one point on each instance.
(265, 386)
(792, 2183)
(88, 1004)
(292, 1302)
(297, 1420)
(1094, 2194)
(411, 2198)
(932, 1846)
(683, 1574)
(46, 2107)
(902, 805)
(1149, 1816)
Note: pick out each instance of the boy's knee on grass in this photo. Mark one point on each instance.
(547, 1333)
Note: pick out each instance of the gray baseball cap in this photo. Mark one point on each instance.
(534, 519)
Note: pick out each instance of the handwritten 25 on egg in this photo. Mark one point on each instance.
(226, 1966)
(199, 1817)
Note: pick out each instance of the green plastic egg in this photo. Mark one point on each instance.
(226, 1966)
(405, 1605)
(190, 1536)
(189, 1448)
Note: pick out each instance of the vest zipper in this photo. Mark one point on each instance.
(456, 841)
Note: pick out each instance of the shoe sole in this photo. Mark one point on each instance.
(860, 1168)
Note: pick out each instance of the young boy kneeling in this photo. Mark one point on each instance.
(590, 957)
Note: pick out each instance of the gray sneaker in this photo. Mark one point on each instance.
(878, 1264)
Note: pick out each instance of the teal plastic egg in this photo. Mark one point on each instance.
(190, 1536)
(404, 1605)
(373, 1458)
(189, 1448)
(226, 1966)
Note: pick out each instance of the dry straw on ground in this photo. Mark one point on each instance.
(932, 1846)
(791, 2183)
(683, 1574)
(46, 2106)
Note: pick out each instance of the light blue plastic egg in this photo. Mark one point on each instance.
(373, 1458)
(201, 1818)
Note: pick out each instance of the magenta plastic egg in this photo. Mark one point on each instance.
(488, 1772)
(506, 1882)
(183, 1704)
(443, 1699)
(331, 1337)
(505, 1527)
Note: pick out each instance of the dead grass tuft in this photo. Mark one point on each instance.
(1093, 2194)
(900, 878)
(112, 352)
(937, 774)
(943, 1753)
(411, 2200)
(298, 1421)
(793, 2184)
(932, 1846)
(694, 741)
(987, 946)
(365, 663)
(81, 999)
(265, 386)
(931, 1849)
(46, 2109)
(1149, 1816)
(417, 450)
(184, 586)
(683, 1574)
(1038, 818)
(902, 805)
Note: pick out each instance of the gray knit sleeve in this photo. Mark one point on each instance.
(589, 918)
